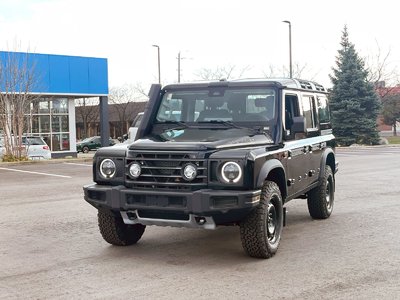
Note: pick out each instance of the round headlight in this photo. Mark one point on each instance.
(231, 172)
(135, 170)
(189, 172)
(107, 168)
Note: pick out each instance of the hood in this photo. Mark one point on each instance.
(193, 141)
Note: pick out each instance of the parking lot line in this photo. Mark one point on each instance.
(76, 164)
(37, 173)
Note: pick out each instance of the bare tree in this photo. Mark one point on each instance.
(88, 112)
(221, 72)
(391, 111)
(380, 69)
(385, 78)
(299, 71)
(121, 97)
(17, 81)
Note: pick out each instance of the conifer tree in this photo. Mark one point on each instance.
(354, 103)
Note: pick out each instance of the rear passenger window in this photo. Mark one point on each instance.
(323, 109)
(309, 111)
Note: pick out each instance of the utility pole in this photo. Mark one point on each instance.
(290, 48)
(179, 66)
(159, 63)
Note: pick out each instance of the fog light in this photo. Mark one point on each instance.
(189, 172)
(135, 170)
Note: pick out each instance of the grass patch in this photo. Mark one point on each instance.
(393, 139)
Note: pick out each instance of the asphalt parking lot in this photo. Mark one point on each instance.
(50, 247)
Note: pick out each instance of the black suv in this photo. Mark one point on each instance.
(220, 153)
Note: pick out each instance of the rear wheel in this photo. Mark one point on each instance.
(320, 199)
(116, 232)
(261, 231)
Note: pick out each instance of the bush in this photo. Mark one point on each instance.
(12, 158)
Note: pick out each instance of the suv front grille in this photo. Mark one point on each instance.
(162, 170)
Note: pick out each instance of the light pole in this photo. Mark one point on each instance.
(159, 64)
(290, 48)
(179, 66)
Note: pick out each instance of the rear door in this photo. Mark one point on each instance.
(296, 146)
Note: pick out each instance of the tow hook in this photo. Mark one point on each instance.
(200, 220)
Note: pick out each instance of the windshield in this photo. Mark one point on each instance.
(236, 105)
(219, 108)
(89, 139)
(32, 141)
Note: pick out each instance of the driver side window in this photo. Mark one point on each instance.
(291, 110)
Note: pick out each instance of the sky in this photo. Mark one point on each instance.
(247, 35)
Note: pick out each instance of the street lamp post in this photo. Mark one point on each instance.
(290, 48)
(159, 64)
(179, 66)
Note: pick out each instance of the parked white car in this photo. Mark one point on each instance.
(2, 149)
(35, 147)
(134, 128)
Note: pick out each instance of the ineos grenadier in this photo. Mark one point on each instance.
(220, 153)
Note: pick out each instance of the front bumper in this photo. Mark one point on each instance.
(172, 208)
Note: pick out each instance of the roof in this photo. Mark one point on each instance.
(276, 82)
(60, 74)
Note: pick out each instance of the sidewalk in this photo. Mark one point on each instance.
(82, 157)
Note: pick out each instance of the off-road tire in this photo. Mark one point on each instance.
(85, 149)
(256, 234)
(320, 199)
(116, 232)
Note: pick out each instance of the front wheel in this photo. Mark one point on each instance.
(85, 149)
(116, 232)
(261, 231)
(320, 199)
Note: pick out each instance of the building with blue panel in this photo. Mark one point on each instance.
(59, 80)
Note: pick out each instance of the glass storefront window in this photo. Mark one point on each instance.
(59, 106)
(44, 107)
(50, 120)
(59, 123)
(65, 142)
(44, 124)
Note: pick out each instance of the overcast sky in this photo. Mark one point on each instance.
(209, 33)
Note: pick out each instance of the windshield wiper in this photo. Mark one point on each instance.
(227, 123)
(230, 124)
(180, 123)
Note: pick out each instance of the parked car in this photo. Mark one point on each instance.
(134, 128)
(220, 153)
(2, 148)
(35, 147)
(129, 137)
(91, 143)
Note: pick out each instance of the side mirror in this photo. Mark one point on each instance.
(299, 125)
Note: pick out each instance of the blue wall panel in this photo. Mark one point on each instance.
(41, 72)
(60, 74)
(79, 72)
(98, 75)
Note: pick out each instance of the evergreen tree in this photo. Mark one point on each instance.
(354, 103)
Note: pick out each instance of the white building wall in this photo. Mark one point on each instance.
(72, 125)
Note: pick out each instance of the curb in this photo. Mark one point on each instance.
(48, 161)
